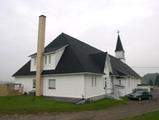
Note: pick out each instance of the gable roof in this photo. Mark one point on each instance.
(78, 57)
(119, 68)
(119, 46)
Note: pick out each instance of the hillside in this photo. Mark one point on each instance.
(150, 76)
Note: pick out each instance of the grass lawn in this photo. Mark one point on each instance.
(146, 116)
(31, 104)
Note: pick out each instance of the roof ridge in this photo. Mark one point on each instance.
(74, 53)
(73, 38)
(69, 40)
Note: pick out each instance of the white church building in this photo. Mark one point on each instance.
(74, 69)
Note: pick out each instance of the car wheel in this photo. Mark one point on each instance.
(139, 98)
(150, 98)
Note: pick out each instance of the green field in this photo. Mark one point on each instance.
(146, 116)
(31, 104)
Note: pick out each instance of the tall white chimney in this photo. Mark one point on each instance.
(40, 55)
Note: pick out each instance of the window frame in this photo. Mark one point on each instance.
(54, 85)
(119, 81)
(34, 83)
(94, 81)
(45, 59)
(34, 59)
(50, 59)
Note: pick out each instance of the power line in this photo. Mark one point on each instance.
(145, 67)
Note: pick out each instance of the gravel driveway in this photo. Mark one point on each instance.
(132, 108)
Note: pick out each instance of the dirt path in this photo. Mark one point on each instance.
(133, 108)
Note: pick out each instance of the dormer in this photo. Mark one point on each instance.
(51, 59)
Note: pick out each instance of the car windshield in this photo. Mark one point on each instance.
(138, 93)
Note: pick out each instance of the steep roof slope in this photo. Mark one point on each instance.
(79, 57)
(121, 69)
(119, 46)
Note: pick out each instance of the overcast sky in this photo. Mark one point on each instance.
(92, 21)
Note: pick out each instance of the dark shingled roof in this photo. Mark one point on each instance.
(121, 69)
(79, 57)
(119, 46)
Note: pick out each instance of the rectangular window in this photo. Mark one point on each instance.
(94, 81)
(52, 84)
(45, 59)
(34, 61)
(119, 82)
(105, 84)
(49, 59)
(34, 83)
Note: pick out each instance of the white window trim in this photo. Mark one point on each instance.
(119, 82)
(94, 81)
(34, 83)
(34, 59)
(49, 59)
(54, 85)
(45, 59)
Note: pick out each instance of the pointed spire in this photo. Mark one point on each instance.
(119, 46)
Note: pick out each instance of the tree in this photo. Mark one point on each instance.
(157, 80)
(151, 82)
